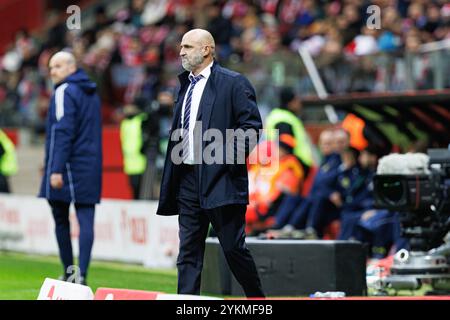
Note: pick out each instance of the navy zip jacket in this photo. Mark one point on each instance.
(73, 145)
(228, 102)
(326, 178)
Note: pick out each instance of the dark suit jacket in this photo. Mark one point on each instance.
(228, 102)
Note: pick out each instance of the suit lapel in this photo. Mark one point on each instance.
(184, 82)
(207, 102)
(177, 113)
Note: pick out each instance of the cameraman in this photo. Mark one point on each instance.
(155, 135)
(144, 134)
(163, 108)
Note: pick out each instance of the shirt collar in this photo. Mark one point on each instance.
(205, 72)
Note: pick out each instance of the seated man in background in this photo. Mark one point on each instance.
(313, 213)
(354, 194)
(270, 183)
(324, 210)
(378, 228)
(330, 161)
(380, 231)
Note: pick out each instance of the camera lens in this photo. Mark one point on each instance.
(390, 190)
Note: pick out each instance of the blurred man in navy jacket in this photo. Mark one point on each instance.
(73, 158)
(217, 192)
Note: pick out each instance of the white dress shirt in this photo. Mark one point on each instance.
(197, 94)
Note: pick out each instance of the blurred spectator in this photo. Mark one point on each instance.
(133, 51)
(101, 19)
(341, 140)
(55, 31)
(154, 12)
(286, 120)
(136, 9)
(353, 194)
(221, 29)
(310, 215)
(270, 183)
(364, 43)
(132, 141)
(380, 230)
(162, 113)
(355, 127)
(349, 23)
(8, 161)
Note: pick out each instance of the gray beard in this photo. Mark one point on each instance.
(196, 61)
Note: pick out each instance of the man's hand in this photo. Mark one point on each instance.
(368, 214)
(336, 199)
(56, 180)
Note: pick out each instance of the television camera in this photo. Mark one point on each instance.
(417, 187)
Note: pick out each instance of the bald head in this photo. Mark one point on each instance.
(197, 50)
(202, 36)
(62, 64)
(326, 142)
(341, 140)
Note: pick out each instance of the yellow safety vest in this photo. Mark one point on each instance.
(8, 162)
(302, 148)
(131, 139)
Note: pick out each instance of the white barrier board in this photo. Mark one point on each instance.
(128, 231)
(60, 290)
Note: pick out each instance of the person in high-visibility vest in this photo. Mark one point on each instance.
(355, 128)
(287, 121)
(132, 140)
(8, 161)
(269, 183)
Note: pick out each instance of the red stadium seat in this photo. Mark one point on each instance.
(115, 181)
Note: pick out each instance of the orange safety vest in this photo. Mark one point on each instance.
(268, 182)
(355, 126)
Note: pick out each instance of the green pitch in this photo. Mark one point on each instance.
(21, 276)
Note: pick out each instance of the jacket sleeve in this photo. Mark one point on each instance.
(64, 130)
(246, 115)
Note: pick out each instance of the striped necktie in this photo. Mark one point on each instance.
(187, 115)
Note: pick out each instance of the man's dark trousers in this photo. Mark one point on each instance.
(85, 216)
(228, 223)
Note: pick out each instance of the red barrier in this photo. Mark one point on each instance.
(13, 134)
(115, 182)
(124, 294)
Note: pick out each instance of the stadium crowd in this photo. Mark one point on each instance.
(133, 52)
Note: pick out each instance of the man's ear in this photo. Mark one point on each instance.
(73, 68)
